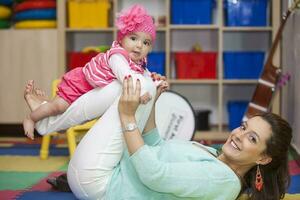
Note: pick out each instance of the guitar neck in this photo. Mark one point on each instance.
(264, 92)
(269, 62)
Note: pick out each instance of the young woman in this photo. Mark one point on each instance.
(143, 166)
(254, 157)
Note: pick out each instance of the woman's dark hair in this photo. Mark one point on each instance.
(275, 174)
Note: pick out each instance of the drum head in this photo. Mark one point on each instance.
(174, 116)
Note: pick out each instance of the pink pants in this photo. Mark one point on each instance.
(73, 85)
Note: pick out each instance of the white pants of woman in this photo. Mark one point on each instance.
(101, 148)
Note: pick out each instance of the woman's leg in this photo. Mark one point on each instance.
(101, 149)
(87, 107)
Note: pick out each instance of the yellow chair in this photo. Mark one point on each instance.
(71, 133)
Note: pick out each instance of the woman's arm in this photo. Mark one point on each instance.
(163, 86)
(128, 104)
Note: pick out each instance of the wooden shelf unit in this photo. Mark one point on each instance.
(167, 32)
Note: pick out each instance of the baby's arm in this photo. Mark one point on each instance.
(121, 68)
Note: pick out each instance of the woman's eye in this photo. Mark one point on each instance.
(147, 43)
(252, 138)
(133, 38)
(243, 127)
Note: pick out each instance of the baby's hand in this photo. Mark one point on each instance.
(145, 98)
(163, 86)
(157, 78)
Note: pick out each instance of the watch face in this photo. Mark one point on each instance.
(130, 127)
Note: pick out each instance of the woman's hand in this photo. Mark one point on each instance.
(130, 99)
(128, 104)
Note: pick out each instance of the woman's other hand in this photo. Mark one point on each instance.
(130, 98)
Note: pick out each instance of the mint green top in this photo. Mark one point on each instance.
(170, 170)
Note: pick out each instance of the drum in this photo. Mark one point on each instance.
(174, 116)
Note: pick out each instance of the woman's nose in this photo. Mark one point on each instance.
(239, 135)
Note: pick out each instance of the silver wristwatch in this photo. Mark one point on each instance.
(130, 127)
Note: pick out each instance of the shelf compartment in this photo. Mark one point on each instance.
(243, 64)
(196, 65)
(88, 14)
(192, 11)
(235, 93)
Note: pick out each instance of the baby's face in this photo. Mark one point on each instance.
(138, 45)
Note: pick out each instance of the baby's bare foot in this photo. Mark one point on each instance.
(41, 95)
(28, 126)
(32, 99)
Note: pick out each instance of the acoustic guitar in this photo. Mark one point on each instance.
(269, 81)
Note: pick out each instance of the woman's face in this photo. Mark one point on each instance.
(246, 144)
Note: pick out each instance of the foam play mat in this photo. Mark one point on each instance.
(23, 174)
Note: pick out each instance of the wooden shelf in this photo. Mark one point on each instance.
(194, 27)
(109, 29)
(240, 81)
(249, 29)
(210, 37)
(161, 29)
(193, 81)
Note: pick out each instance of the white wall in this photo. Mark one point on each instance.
(291, 63)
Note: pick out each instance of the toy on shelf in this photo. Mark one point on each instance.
(5, 13)
(88, 13)
(35, 14)
(101, 48)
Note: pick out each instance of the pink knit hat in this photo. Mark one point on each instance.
(135, 19)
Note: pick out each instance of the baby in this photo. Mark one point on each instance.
(126, 57)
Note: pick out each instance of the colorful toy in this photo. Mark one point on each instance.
(6, 2)
(4, 24)
(102, 48)
(36, 24)
(5, 12)
(29, 5)
(38, 14)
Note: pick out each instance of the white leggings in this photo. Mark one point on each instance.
(87, 107)
(101, 148)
